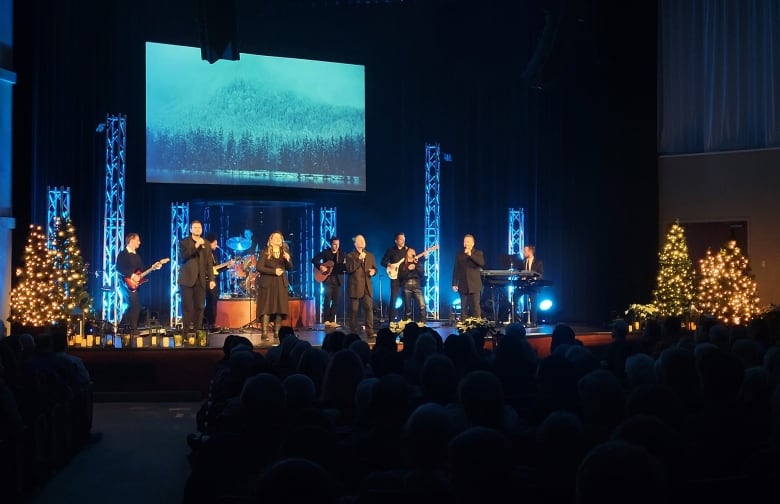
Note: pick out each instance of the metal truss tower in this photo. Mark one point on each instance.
(432, 227)
(59, 207)
(327, 230)
(516, 231)
(113, 214)
(180, 220)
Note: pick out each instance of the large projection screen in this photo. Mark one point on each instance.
(261, 120)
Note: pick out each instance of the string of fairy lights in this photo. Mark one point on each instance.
(723, 286)
(52, 284)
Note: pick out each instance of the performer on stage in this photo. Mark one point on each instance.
(467, 279)
(361, 266)
(532, 263)
(392, 260)
(331, 262)
(195, 277)
(212, 295)
(129, 264)
(412, 277)
(272, 285)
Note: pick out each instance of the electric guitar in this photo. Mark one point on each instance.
(132, 285)
(222, 265)
(392, 268)
(321, 276)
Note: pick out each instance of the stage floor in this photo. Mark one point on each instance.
(538, 336)
(157, 373)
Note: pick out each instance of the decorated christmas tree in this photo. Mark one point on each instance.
(727, 289)
(71, 275)
(675, 286)
(35, 301)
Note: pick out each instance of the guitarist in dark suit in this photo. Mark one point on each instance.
(129, 264)
(390, 260)
(330, 262)
(467, 277)
(195, 277)
(212, 294)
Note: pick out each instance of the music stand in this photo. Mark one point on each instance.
(510, 261)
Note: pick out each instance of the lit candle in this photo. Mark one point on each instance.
(636, 325)
(90, 340)
(154, 340)
(97, 340)
(191, 340)
(139, 342)
(166, 341)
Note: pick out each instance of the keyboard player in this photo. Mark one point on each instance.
(536, 266)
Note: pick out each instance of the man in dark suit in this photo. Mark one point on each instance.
(361, 267)
(195, 277)
(467, 277)
(330, 261)
(535, 265)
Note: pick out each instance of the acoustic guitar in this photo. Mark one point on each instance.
(321, 276)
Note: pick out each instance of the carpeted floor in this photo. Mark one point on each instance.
(140, 458)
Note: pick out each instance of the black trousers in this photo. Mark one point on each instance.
(469, 305)
(330, 303)
(133, 312)
(210, 312)
(395, 290)
(413, 290)
(193, 304)
(368, 310)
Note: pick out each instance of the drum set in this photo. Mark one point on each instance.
(243, 273)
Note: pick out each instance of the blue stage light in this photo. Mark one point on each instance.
(545, 304)
(399, 302)
(456, 304)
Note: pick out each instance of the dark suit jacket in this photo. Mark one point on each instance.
(195, 264)
(467, 272)
(359, 283)
(536, 266)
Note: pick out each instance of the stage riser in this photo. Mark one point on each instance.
(234, 313)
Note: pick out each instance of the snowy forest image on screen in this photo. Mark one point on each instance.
(261, 120)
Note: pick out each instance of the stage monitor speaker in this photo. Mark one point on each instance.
(218, 30)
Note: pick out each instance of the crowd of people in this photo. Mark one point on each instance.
(667, 416)
(45, 410)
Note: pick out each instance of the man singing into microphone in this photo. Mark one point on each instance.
(195, 276)
(361, 266)
(467, 278)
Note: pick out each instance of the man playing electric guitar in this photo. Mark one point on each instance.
(212, 294)
(328, 268)
(130, 265)
(391, 260)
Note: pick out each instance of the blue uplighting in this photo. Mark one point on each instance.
(545, 304)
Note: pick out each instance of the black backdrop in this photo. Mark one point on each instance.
(579, 155)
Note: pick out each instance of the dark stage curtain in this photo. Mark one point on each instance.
(717, 75)
(578, 155)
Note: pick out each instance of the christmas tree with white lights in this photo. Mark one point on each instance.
(727, 289)
(35, 301)
(69, 264)
(674, 289)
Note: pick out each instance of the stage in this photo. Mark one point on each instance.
(183, 373)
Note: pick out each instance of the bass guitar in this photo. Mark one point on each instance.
(222, 265)
(320, 275)
(132, 285)
(392, 268)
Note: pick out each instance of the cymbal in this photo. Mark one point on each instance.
(239, 243)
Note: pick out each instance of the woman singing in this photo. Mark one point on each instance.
(272, 283)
